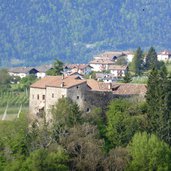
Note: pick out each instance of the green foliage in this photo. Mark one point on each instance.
(137, 62)
(66, 111)
(14, 142)
(121, 61)
(151, 59)
(57, 68)
(4, 80)
(27, 81)
(148, 152)
(158, 103)
(127, 78)
(152, 98)
(42, 160)
(123, 120)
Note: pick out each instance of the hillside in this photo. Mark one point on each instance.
(37, 31)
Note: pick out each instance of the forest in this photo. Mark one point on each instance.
(36, 32)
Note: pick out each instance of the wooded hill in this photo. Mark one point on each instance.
(74, 30)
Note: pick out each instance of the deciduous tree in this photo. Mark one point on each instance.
(148, 152)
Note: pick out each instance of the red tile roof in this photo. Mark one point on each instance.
(118, 88)
(129, 89)
(57, 81)
(118, 67)
(102, 61)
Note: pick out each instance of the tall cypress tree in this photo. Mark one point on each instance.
(151, 59)
(158, 100)
(152, 100)
(164, 131)
(136, 65)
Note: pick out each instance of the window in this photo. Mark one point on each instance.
(52, 95)
(33, 96)
(43, 97)
(88, 110)
(77, 97)
(38, 97)
(77, 87)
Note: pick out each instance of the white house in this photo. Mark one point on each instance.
(82, 69)
(164, 56)
(22, 71)
(118, 70)
(42, 70)
(100, 65)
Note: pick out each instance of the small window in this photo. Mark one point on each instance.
(77, 87)
(77, 97)
(88, 110)
(33, 96)
(52, 95)
(43, 97)
(38, 97)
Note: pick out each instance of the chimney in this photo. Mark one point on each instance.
(110, 86)
(62, 84)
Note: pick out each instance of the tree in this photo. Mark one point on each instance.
(25, 82)
(66, 114)
(121, 61)
(4, 80)
(84, 145)
(43, 159)
(57, 68)
(151, 59)
(137, 62)
(117, 159)
(148, 152)
(152, 99)
(123, 120)
(158, 98)
(127, 78)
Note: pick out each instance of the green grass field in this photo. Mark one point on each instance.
(12, 112)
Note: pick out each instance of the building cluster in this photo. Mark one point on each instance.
(85, 92)
(105, 65)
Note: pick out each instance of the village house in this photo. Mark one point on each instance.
(118, 70)
(42, 70)
(164, 56)
(22, 71)
(99, 65)
(105, 77)
(82, 69)
(102, 61)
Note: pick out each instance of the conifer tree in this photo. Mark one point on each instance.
(164, 130)
(152, 100)
(158, 100)
(137, 62)
(127, 78)
(151, 59)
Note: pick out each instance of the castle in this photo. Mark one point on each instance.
(86, 93)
